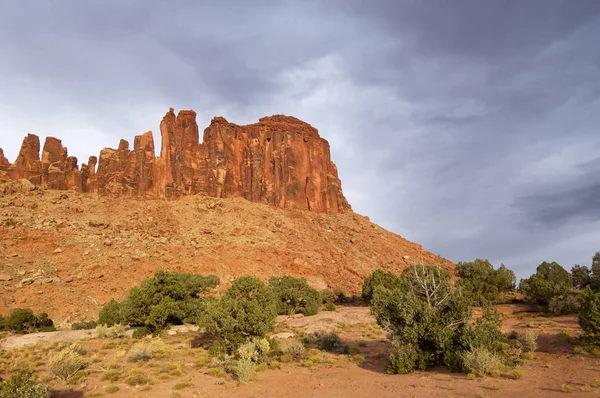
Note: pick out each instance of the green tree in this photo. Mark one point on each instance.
(247, 309)
(378, 278)
(481, 282)
(589, 314)
(595, 276)
(294, 296)
(428, 320)
(167, 298)
(581, 276)
(549, 280)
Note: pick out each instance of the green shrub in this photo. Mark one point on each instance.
(330, 342)
(564, 305)
(527, 341)
(244, 370)
(24, 321)
(256, 349)
(167, 298)
(405, 359)
(329, 306)
(428, 320)
(110, 314)
(294, 348)
(482, 362)
(23, 384)
(65, 364)
(379, 277)
(549, 280)
(589, 315)
(581, 276)
(295, 296)
(85, 325)
(482, 283)
(246, 310)
(141, 332)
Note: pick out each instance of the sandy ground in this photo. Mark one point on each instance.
(554, 367)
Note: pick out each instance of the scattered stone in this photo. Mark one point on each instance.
(405, 257)
(5, 278)
(22, 272)
(107, 242)
(57, 251)
(27, 281)
(69, 279)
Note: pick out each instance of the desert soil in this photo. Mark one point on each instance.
(553, 369)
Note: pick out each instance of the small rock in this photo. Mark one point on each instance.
(27, 281)
(68, 279)
(5, 278)
(57, 251)
(405, 257)
(22, 272)
(108, 242)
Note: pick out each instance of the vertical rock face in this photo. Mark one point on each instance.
(28, 163)
(4, 163)
(280, 161)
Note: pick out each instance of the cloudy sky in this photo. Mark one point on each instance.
(472, 127)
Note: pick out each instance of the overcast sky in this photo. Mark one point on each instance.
(470, 126)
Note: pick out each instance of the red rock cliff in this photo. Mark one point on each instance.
(280, 160)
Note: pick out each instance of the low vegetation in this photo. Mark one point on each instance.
(483, 284)
(23, 384)
(427, 318)
(295, 296)
(24, 321)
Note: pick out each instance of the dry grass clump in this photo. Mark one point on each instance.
(111, 389)
(65, 364)
(527, 341)
(182, 384)
(293, 348)
(482, 362)
(244, 370)
(137, 378)
(517, 374)
(111, 375)
(144, 351)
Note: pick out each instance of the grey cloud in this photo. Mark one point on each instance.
(448, 120)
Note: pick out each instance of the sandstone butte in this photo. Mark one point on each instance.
(280, 161)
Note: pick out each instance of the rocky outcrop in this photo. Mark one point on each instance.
(4, 163)
(280, 161)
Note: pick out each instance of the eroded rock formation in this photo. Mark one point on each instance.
(280, 160)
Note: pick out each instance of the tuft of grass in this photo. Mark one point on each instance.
(293, 348)
(182, 384)
(65, 364)
(567, 388)
(94, 394)
(586, 388)
(517, 374)
(217, 372)
(527, 341)
(482, 362)
(111, 375)
(471, 376)
(528, 355)
(480, 394)
(111, 389)
(275, 365)
(136, 378)
(286, 358)
(596, 383)
(244, 370)
(496, 386)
